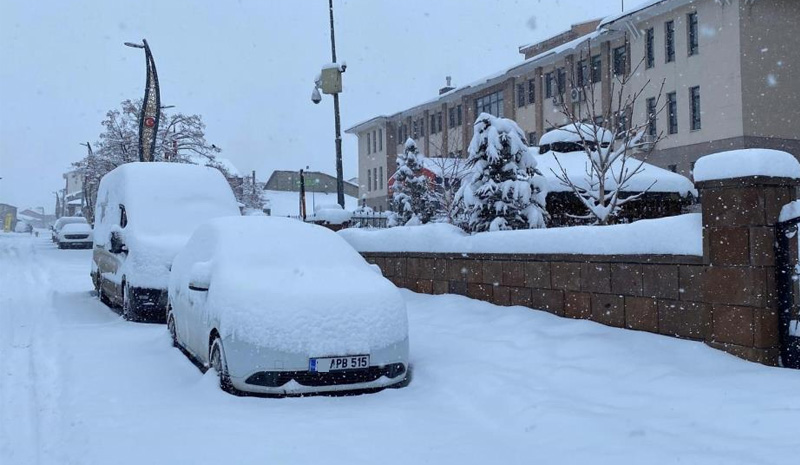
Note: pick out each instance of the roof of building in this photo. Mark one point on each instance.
(662, 5)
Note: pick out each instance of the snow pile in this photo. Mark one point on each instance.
(576, 164)
(287, 203)
(677, 235)
(746, 163)
(331, 214)
(292, 286)
(790, 211)
(164, 203)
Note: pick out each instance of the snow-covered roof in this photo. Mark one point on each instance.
(575, 164)
(645, 8)
(573, 133)
(745, 163)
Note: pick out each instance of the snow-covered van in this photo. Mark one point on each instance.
(144, 214)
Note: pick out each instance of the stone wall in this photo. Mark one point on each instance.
(727, 298)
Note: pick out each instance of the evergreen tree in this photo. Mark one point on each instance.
(413, 200)
(504, 189)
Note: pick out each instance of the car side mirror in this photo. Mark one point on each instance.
(200, 277)
(117, 245)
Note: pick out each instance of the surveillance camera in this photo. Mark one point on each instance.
(315, 96)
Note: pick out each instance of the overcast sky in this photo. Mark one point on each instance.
(246, 66)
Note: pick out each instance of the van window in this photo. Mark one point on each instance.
(123, 217)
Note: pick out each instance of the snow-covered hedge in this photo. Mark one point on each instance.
(677, 235)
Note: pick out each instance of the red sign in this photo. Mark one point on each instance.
(149, 121)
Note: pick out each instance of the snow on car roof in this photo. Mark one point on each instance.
(170, 198)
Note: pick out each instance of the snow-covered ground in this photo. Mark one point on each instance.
(78, 385)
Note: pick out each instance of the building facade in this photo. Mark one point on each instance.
(730, 71)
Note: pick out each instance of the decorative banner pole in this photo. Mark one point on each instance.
(151, 107)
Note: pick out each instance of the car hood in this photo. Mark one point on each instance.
(314, 311)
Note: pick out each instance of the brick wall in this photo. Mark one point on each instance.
(727, 298)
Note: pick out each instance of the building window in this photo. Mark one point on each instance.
(561, 80)
(369, 180)
(597, 69)
(400, 134)
(620, 60)
(669, 41)
(581, 73)
(380, 172)
(422, 127)
(369, 144)
(520, 95)
(532, 139)
(374, 142)
(438, 121)
(459, 115)
(492, 104)
(415, 129)
(531, 92)
(694, 100)
(380, 139)
(451, 117)
(672, 112)
(691, 29)
(651, 117)
(649, 48)
(548, 85)
(374, 179)
(433, 123)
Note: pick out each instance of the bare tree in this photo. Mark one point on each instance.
(450, 168)
(616, 146)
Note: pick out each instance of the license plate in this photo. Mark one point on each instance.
(327, 364)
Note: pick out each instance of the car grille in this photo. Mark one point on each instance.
(310, 378)
(75, 236)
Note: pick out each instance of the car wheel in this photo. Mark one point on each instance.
(173, 333)
(217, 361)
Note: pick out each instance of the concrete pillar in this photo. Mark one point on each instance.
(738, 280)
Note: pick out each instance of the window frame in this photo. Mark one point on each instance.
(650, 48)
(596, 72)
(548, 85)
(369, 143)
(692, 37)
(520, 95)
(620, 60)
(672, 113)
(652, 117)
(531, 91)
(669, 41)
(695, 109)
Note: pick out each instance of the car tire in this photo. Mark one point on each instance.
(173, 332)
(216, 359)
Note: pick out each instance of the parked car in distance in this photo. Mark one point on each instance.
(75, 235)
(60, 224)
(145, 213)
(278, 306)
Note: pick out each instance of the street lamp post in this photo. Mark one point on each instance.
(330, 82)
(151, 107)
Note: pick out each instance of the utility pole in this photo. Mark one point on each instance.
(339, 171)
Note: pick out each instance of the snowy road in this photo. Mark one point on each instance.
(78, 385)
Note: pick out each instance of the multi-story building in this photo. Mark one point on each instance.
(730, 71)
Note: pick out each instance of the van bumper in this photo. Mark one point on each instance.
(147, 305)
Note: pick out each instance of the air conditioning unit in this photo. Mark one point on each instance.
(558, 99)
(577, 95)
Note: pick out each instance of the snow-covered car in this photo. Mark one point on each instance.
(278, 306)
(75, 235)
(145, 213)
(60, 224)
